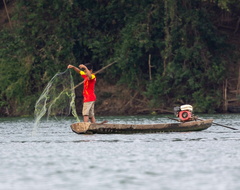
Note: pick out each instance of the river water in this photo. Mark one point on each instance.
(55, 158)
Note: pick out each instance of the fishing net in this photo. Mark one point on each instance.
(57, 100)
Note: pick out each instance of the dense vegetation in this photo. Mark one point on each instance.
(169, 50)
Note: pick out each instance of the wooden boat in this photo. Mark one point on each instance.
(107, 128)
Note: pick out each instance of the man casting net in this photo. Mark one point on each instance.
(57, 100)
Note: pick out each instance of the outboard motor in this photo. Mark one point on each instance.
(184, 113)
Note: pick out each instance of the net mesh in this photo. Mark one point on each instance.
(57, 100)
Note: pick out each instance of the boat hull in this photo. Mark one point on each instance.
(106, 128)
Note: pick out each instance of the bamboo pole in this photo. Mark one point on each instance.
(225, 84)
(149, 66)
(100, 70)
(238, 84)
(221, 125)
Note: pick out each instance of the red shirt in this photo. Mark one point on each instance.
(88, 87)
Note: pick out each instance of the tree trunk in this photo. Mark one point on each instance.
(9, 20)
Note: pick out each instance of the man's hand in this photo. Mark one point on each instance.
(70, 66)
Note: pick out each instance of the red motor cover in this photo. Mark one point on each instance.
(185, 115)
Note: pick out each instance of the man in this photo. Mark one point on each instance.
(89, 96)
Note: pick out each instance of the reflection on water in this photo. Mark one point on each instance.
(57, 158)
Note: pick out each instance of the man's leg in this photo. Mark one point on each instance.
(91, 113)
(88, 112)
(85, 111)
(85, 118)
(92, 119)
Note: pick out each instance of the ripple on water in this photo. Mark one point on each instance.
(57, 158)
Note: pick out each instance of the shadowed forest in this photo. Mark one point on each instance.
(167, 53)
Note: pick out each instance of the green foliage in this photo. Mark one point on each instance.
(14, 70)
(206, 102)
(193, 69)
(178, 38)
(139, 38)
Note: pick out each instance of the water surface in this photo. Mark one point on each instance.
(56, 158)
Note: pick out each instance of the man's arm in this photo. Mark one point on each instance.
(73, 67)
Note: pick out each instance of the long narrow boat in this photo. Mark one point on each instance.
(107, 128)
